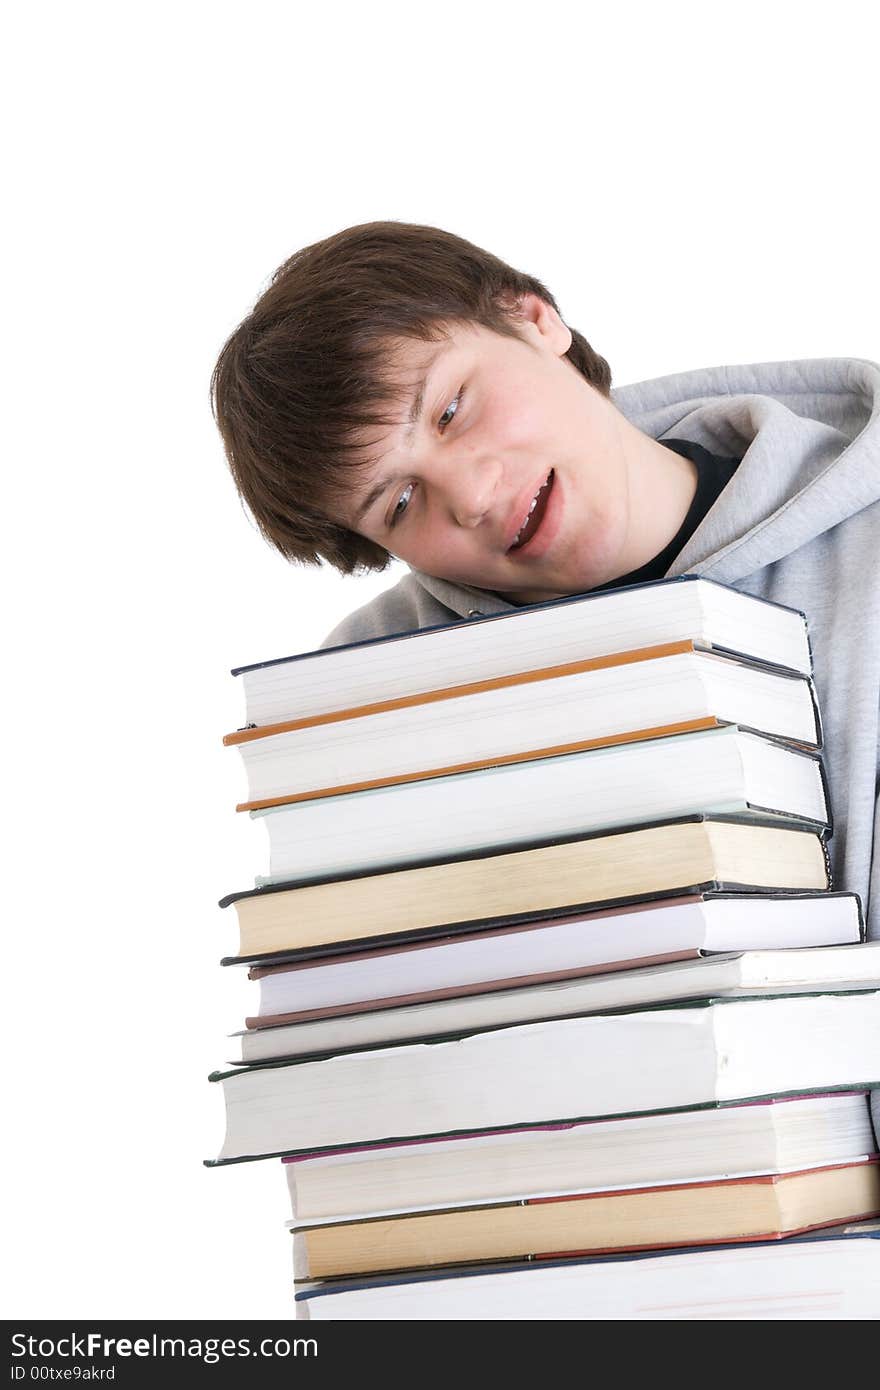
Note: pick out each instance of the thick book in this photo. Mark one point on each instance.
(723, 771)
(657, 1059)
(539, 952)
(577, 628)
(606, 869)
(773, 1136)
(830, 1274)
(834, 969)
(677, 1214)
(531, 714)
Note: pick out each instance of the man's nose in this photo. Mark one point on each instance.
(472, 485)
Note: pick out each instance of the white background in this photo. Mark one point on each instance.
(696, 183)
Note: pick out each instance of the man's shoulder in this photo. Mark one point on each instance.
(404, 607)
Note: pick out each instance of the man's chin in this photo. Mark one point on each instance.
(511, 594)
(521, 596)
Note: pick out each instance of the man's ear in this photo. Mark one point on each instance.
(540, 317)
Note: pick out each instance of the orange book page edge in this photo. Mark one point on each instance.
(452, 692)
(582, 746)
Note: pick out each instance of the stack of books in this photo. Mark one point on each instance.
(557, 1007)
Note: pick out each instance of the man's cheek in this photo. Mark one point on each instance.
(514, 423)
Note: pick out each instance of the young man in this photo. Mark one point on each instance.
(399, 391)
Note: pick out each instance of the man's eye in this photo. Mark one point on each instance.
(401, 504)
(449, 412)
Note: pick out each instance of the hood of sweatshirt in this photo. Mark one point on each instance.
(808, 435)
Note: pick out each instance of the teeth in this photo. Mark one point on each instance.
(532, 507)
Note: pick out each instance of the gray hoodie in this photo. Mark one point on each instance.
(799, 523)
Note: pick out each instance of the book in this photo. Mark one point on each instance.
(531, 714)
(697, 853)
(831, 1274)
(836, 969)
(576, 628)
(548, 949)
(656, 1059)
(779, 1135)
(722, 771)
(677, 1214)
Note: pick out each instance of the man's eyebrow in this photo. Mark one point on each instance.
(418, 400)
(413, 416)
(372, 496)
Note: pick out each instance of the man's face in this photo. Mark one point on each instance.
(513, 475)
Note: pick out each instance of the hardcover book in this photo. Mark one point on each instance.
(677, 1214)
(772, 1136)
(532, 714)
(613, 868)
(546, 949)
(577, 628)
(722, 771)
(827, 1274)
(655, 1059)
(834, 969)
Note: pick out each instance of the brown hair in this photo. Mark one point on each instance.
(306, 372)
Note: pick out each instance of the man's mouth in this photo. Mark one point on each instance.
(534, 516)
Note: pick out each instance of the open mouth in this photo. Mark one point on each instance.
(535, 515)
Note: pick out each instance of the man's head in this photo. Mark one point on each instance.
(314, 390)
